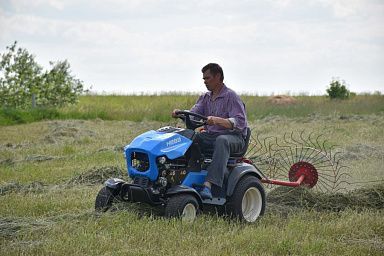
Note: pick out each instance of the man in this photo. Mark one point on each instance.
(226, 125)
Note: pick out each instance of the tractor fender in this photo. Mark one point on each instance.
(238, 172)
(181, 189)
(114, 183)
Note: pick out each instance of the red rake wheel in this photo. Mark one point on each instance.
(303, 169)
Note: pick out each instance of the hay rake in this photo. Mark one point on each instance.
(309, 159)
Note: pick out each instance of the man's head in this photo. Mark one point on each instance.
(213, 76)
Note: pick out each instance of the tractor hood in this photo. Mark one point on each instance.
(172, 145)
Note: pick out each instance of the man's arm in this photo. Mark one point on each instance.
(224, 122)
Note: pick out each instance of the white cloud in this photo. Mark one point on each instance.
(25, 5)
(147, 43)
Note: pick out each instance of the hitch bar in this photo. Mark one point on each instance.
(285, 183)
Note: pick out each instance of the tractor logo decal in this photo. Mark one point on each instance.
(173, 141)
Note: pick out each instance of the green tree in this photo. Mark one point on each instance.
(338, 90)
(21, 77)
(59, 87)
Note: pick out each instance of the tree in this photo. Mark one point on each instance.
(338, 90)
(21, 77)
(59, 86)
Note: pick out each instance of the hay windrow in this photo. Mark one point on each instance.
(67, 130)
(95, 176)
(40, 158)
(16, 187)
(7, 162)
(362, 151)
(98, 175)
(11, 227)
(286, 199)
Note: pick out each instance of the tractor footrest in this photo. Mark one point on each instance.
(215, 201)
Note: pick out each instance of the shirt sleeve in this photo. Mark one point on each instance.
(198, 108)
(237, 115)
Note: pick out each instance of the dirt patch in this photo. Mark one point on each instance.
(285, 199)
(282, 100)
(98, 175)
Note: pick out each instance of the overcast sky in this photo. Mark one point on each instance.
(264, 47)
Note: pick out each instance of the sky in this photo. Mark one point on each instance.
(152, 46)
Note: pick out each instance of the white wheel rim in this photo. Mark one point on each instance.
(251, 204)
(189, 212)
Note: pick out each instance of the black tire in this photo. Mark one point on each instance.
(248, 200)
(183, 206)
(104, 199)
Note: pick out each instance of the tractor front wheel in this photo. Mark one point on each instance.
(104, 199)
(182, 206)
(248, 200)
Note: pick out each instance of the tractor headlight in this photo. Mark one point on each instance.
(161, 160)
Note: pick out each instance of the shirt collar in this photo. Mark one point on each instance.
(223, 90)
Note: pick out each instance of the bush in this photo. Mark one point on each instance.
(338, 90)
(21, 78)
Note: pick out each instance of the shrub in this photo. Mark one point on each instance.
(338, 90)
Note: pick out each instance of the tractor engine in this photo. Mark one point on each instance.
(173, 171)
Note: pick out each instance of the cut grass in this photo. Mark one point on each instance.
(57, 169)
(122, 233)
(51, 201)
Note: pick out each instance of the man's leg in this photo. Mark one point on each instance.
(224, 144)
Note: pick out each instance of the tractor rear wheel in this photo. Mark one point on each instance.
(183, 206)
(104, 199)
(248, 200)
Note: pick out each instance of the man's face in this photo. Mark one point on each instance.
(211, 81)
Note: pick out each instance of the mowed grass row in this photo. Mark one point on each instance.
(158, 108)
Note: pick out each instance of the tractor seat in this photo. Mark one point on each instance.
(233, 155)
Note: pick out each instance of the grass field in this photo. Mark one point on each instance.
(158, 108)
(51, 171)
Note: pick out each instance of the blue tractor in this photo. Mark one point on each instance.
(167, 169)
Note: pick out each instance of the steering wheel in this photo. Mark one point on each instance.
(191, 123)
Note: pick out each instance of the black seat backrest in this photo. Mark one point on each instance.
(244, 149)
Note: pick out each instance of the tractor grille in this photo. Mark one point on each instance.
(140, 161)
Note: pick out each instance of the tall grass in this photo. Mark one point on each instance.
(158, 108)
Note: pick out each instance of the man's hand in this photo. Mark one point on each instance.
(174, 115)
(211, 120)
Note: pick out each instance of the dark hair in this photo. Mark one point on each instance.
(214, 69)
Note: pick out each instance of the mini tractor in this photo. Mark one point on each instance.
(167, 169)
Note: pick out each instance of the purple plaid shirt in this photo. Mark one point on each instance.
(226, 105)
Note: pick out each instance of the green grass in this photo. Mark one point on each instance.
(44, 212)
(159, 107)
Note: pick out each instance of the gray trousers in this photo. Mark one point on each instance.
(222, 145)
